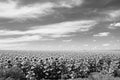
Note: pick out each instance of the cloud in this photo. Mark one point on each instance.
(118, 41)
(69, 40)
(11, 9)
(86, 45)
(103, 34)
(46, 32)
(94, 40)
(60, 36)
(23, 42)
(114, 26)
(70, 3)
(106, 45)
(20, 39)
(63, 29)
(117, 24)
(5, 46)
(113, 14)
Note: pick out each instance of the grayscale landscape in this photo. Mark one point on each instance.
(59, 39)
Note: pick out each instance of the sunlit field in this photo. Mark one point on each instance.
(67, 54)
(59, 65)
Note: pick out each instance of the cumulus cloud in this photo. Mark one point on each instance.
(114, 26)
(55, 30)
(117, 24)
(103, 34)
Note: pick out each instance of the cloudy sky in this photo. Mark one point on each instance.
(60, 24)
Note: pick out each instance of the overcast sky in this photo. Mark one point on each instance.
(60, 24)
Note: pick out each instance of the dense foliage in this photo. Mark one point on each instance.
(54, 68)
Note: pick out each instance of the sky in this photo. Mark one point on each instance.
(59, 24)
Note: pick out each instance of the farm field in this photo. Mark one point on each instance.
(70, 65)
(59, 39)
(67, 54)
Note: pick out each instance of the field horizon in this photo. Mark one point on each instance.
(58, 53)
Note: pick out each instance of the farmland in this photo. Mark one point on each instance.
(56, 65)
(67, 54)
